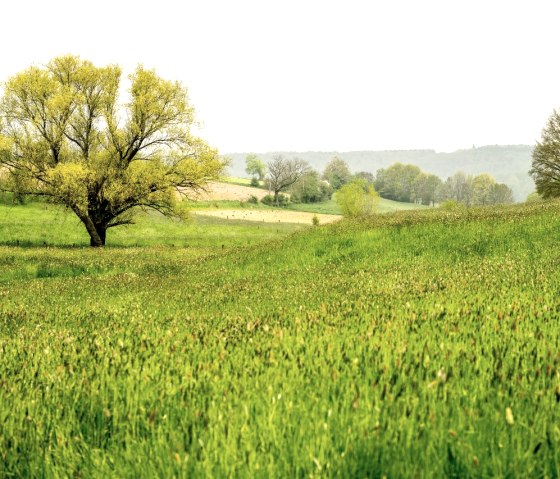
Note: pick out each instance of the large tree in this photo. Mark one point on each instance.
(283, 173)
(546, 159)
(64, 135)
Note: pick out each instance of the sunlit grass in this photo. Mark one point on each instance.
(234, 180)
(415, 344)
(39, 224)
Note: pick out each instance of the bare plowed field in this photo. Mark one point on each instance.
(267, 216)
(226, 191)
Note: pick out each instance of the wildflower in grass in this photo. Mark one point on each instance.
(509, 416)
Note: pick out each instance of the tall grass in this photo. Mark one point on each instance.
(417, 344)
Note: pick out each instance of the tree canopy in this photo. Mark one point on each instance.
(337, 173)
(409, 183)
(475, 190)
(397, 182)
(65, 135)
(254, 166)
(283, 173)
(309, 188)
(546, 159)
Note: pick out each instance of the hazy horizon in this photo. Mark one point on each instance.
(321, 75)
(473, 147)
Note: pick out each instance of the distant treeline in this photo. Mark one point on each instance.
(508, 164)
(398, 182)
(410, 184)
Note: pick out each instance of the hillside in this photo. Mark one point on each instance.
(414, 344)
(224, 195)
(508, 164)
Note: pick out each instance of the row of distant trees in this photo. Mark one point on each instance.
(410, 184)
(399, 182)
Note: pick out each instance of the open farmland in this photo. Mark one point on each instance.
(414, 344)
(218, 191)
(270, 215)
(234, 195)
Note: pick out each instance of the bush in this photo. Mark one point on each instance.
(253, 200)
(283, 200)
(534, 197)
(255, 182)
(8, 198)
(267, 200)
(5, 198)
(357, 199)
(451, 205)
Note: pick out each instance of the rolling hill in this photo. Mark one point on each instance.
(414, 344)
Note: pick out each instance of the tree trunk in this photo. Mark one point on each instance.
(97, 232)
(276, 198)
(98, 239)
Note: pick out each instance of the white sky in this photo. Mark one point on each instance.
(320, 75)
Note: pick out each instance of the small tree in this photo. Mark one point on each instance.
(501, 194)
(546, 159)
(337, 173)
(66, 136)
(357, 199)
(461, 187)
(255, 167)
(367, 176)
(483, 186)
(425, 188)
(310, 189)
(283, 173)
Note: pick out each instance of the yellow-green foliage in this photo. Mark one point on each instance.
(65, 136)
(70, 182)
(357, 199)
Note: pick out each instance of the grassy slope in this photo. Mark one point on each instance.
(359, 349)
(331, 207)
(38, 224)
(234, 180)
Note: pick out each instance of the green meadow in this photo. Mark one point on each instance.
(331, 207)
(411, 344)
(40, 224)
